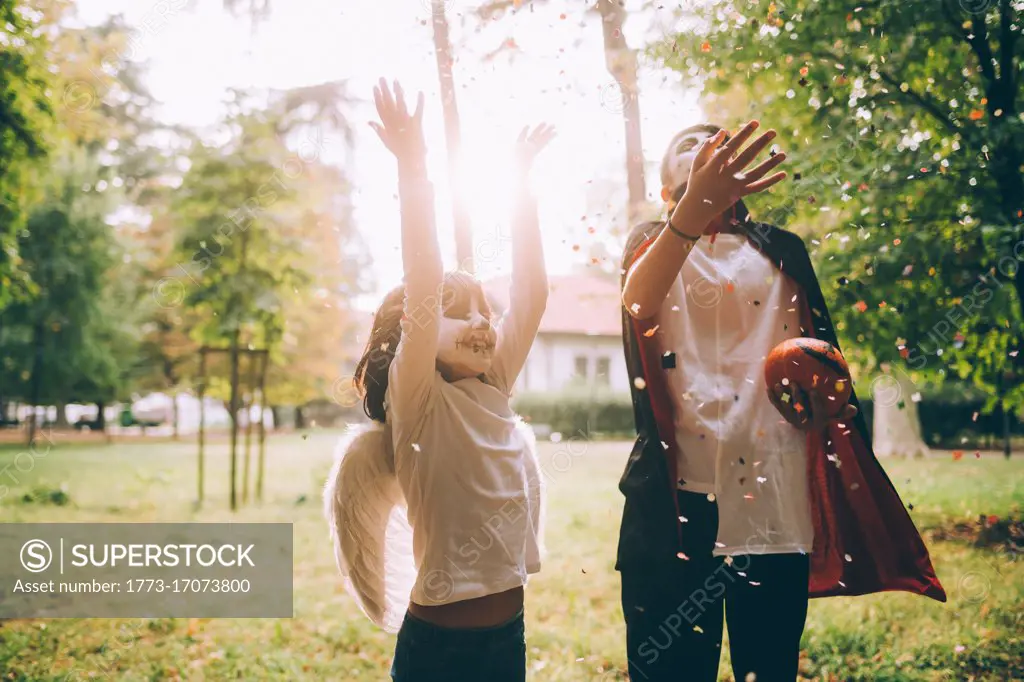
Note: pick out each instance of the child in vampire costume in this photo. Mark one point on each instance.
(729, 508)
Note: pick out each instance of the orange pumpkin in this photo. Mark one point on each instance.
(811, 365)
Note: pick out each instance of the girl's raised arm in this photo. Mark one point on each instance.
(411, 377)
(528, 292)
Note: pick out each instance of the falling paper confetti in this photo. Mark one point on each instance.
(640, 383)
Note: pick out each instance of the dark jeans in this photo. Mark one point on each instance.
(430, 653)
(674, 612)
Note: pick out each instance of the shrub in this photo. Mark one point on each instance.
(580, 410)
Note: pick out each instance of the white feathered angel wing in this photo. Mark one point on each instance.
(366, 511)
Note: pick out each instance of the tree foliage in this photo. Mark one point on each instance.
(905, 139)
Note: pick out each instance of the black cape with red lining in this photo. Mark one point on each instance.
(856, 511)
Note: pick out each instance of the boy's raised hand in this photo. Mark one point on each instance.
(718, 178)
(531, 143)
(400, 131)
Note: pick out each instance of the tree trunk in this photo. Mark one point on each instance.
(453, 136)
(101, 419)
(1005, 412)
(62, 415)
(897, 427)
(233, 410)
(1007, 435)
(202, 424)
(621, 64)
(275, 417)
(300, 419)
(36, 381)
(262, 430)
(251, 392)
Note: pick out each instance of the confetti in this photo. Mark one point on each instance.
(755, 584)
(650, 332)
(711, 497)
(683, 519)
(861, 306)
(668, 360)
(640, 383)
(697, 628)
(959, 648)
(957, 454)
(848, 557)
(728, 561)
(416, 447)
(683, 556)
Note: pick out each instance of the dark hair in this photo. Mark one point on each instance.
(371, 375)
(709, 128)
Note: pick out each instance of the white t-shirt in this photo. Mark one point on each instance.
(465, 462)
(728, 309)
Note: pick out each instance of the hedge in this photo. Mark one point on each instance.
(579, 412)
(946, 420)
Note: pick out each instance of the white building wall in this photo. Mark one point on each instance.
(552, 362)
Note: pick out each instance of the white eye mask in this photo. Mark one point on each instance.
(680, 165)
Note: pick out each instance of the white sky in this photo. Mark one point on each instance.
(195, 55)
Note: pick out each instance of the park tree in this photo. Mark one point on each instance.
(905, 138)
(251, 235)
(72, 336)
(26, 86)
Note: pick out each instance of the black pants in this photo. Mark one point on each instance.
(426, 652)
(674, 612)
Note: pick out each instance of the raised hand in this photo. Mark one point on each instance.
(531, 143)
(718, 178)
(400, 131)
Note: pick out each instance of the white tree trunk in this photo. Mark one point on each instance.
(897, 427)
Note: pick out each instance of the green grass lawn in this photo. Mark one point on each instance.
(574, 620)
